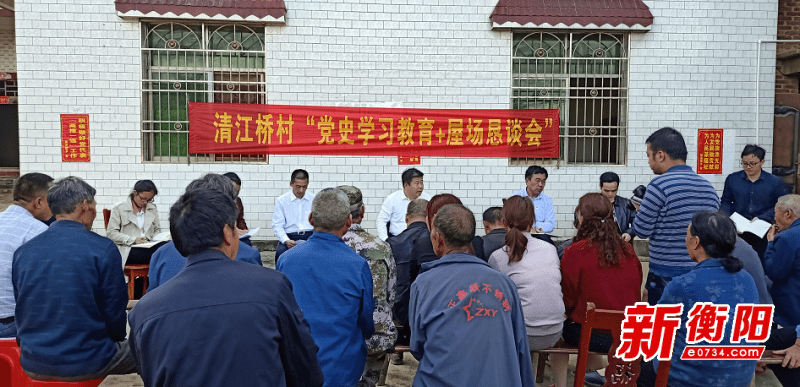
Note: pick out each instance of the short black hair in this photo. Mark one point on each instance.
(198, 218)
(492, 215)
(145, 186)
(409, 174)
(234, 178)
(535, 170)
(299, 174)
(670, 141)
(608, 177)
(755, 150)
(30, 186)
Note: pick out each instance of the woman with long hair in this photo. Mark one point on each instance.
(134, 221)
(718, 278)
(597, 267)
(533, 266)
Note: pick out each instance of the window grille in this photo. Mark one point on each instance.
(8, 88)
(185, 63)
(585, 76)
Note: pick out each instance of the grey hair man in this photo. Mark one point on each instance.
(478, 306)
(241, 316)
(333, 286)
(62, 334)
(782, 260)
(384, 276)
(19, 223)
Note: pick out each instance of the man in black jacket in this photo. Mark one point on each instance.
(401, 250)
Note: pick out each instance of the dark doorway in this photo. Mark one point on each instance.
(9, 136)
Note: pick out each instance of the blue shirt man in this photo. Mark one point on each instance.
(462, 312)
(753, 193)
(535, 180)
(167, 262)
(71, 294)
(220, 322)
(333, 286)
(782, 261)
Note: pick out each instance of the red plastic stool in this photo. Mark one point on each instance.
(136, 271)
(12, 375)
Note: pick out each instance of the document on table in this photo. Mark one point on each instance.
(251, 233)
(756, 226)
(158, 238)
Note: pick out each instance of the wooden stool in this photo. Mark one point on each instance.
(135, 271)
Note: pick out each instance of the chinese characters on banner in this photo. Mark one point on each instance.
(320, 130)
(649, 331)
(709, 151)
(75, 138)
(408, 160)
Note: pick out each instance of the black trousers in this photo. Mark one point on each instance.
(782, 338)
(141, 256)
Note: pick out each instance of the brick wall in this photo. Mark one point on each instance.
(8, 55)
(695, 69)
(788, 29)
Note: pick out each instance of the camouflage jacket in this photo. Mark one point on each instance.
(384, 275)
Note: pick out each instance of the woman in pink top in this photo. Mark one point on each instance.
(533, 266)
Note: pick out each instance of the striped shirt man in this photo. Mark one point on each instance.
(667, 209)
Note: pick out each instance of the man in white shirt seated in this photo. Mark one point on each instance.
(535, 180)
(290, 218)
(392, 217)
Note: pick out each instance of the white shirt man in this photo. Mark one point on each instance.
(392, 217)
(290, 218)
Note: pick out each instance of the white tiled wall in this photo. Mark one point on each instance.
(695, 69)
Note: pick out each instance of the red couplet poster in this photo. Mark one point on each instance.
(709, 151)
(75, 138)
(222, 128)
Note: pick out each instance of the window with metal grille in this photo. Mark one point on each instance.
(185, 63)
(8, 88)
(585, 76)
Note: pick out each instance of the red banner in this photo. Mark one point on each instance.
(75, 138)
(709, 151)
(221, 128)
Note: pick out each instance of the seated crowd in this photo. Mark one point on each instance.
(473, 310)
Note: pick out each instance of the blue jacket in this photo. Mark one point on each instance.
(708, 281)
(71, 298)
(467, 326)
(782, 266)
(333, 286)
(223, 323)
(166, 262)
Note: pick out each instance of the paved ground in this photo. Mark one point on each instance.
(403, 375)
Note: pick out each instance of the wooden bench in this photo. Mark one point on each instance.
(385, 370)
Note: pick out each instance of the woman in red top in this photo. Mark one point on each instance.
(598, 267)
